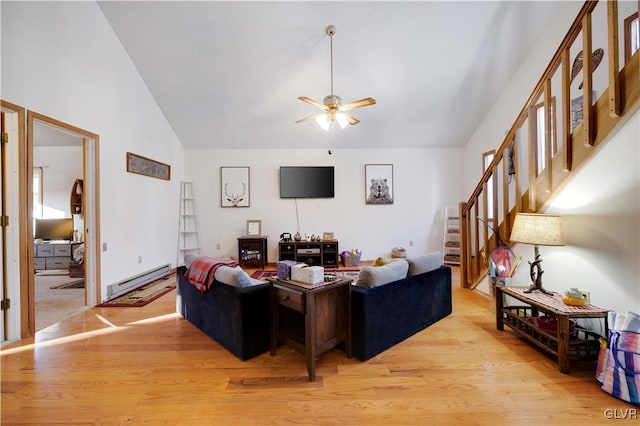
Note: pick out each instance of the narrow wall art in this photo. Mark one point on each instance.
(234, 187)
(378, 180)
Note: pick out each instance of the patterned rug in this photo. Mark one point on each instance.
(261, 274)
(144, 295)
(73, 283)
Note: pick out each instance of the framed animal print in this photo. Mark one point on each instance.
(378, 180)
(234, 187)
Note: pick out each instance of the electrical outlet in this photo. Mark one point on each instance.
(104, 246)
(218, 246)
(411, 243)
(139, 259)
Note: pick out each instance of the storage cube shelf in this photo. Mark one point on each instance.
(252, 252)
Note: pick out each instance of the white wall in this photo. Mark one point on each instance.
(425, 181)
(601, 211)
(601, 204)
(61, 166)
(491, 132)
(63, 60)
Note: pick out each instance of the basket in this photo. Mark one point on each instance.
(353, 260)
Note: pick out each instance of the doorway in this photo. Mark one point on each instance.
(18, 301)
(58, 175)
(52, 143)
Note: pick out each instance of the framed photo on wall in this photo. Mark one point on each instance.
(147, 167)
(253, 228)
(234, 187)
(378, 180)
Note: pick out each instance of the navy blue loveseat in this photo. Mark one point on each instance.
(235, 317)
(386, 315)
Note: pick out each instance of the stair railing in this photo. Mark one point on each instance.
(532, 163)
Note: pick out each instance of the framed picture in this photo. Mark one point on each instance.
(234, 187)
(253, 227)
(378, 180)
(147, 167)
(328, 236)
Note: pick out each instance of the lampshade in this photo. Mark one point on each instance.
(323, 121)
(538, 229)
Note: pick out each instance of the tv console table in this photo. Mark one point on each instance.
(313, 253)
(564, 343)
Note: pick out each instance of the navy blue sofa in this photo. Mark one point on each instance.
(386, 315)
(235, 317)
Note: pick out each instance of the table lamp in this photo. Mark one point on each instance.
(538, 230)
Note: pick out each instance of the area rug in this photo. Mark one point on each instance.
(72, 283)
(262, 274)
(143, 295)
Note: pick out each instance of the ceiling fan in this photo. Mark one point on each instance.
(332, 104)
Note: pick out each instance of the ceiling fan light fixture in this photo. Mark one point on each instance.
(332, 104)
(342, 120)
(323, 121)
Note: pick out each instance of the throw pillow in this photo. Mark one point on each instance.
(234, 276)
(375, 276)
(421, 264)
(381, 261)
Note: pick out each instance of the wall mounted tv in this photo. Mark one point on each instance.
(54, 229)
(307, 182)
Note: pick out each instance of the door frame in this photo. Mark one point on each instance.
(18, 276)
(91, 208)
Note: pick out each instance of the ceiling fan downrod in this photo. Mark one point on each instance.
(331, 30)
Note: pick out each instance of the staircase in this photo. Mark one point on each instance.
(451, 248)
(188, 238)
(558, 130)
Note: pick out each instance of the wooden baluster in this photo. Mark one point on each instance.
(566, 108)
(516, 166)
(614, 60)
(588, 118)
(505, 187)
(532, 160)
(464, 245)
(548, 136)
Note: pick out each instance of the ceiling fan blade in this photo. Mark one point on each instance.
(311, 117)
(312, 102)
(352, 120)
(358, 104)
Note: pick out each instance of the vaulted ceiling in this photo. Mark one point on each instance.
(228, 74)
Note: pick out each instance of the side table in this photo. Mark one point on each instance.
(310, 318)
(564, 344)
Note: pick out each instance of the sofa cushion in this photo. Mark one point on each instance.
(375, 276)
(234, 277)
(421, 264)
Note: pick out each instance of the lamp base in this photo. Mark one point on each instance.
(536, 274)
(533, 287)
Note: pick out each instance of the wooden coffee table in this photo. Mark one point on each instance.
(310, 318)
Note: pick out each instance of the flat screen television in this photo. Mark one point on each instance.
(307, 182)
(54, 229)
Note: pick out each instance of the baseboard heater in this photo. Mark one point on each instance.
(124, 286)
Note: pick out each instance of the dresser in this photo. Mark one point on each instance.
(53, 255)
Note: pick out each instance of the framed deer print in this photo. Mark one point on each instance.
(234, 187)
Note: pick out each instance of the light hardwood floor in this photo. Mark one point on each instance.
(150, 366)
